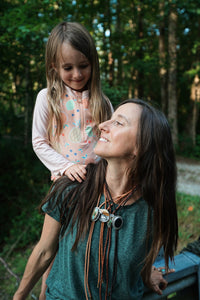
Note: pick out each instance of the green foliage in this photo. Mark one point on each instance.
(186, 147)
(115, 94)
(19, 260)
(9, 284)
(188, 217)
(25, 229)
(24, 182)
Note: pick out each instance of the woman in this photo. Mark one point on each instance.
(110, 227)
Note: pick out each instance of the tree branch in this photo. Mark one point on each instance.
(14, 275)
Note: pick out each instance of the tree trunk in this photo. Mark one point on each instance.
(172, 97)
(131, 85)
(119, 31)
(140, 73)
(110, 54)
(91, 13)
(195, 98)
(105, 50)
(27, 107)
(162, 58)
(135, 80)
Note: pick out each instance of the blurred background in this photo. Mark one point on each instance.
(147, 49)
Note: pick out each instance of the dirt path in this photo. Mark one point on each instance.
(188, 176)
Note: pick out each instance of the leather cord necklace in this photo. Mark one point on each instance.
(106, 215)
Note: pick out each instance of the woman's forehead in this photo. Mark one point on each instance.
(130, 111)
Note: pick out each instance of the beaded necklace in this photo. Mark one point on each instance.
(107, 216)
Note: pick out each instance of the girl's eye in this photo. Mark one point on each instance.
(84, 66)
(67, 68)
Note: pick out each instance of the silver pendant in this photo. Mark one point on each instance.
(104, 215)
(95, 214)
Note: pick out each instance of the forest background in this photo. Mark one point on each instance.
(148, 49)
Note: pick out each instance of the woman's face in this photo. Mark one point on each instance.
(118, 135)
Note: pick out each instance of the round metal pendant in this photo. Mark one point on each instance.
(104, 215)
(95, 214)
(117, 222)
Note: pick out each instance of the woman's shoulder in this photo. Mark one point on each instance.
(60, 190)
(139, 206)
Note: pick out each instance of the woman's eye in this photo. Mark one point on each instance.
(117, 123)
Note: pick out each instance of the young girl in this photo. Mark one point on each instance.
(68, 111)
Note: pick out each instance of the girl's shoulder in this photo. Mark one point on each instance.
(41, 100)
(42, 93)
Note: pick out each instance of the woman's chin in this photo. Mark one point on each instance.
(99, 152)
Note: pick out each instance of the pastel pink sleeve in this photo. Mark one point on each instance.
(53, 160)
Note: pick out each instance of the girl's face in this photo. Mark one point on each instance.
(119, 135)
(74, 68)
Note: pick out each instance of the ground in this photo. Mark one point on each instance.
(188, 176)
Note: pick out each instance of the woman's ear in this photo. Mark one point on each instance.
(135, 151)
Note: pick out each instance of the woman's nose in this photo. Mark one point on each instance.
(104, 126)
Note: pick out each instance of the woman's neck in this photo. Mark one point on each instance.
(119, 183)
(117, 180)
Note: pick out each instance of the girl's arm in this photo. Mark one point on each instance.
(41, 257)
(53, 160)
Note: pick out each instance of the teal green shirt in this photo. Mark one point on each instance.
(66, 279)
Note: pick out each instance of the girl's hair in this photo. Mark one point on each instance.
(153, 168)
(80, 39)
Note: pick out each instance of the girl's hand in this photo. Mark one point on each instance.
(76, 172)
(157, 282)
